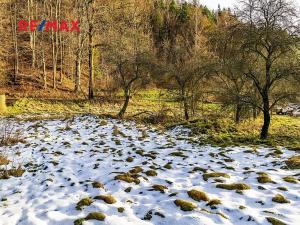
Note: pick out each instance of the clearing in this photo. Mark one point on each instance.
(90, 170)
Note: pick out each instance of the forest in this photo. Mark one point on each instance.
(151, 92)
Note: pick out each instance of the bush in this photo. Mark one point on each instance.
(9, 136)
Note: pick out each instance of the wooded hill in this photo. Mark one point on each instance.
(246, 58)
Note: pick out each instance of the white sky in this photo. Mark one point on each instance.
(213, 4)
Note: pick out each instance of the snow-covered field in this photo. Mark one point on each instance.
(64, 159)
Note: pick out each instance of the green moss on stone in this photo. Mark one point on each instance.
(95, 216)
(290, 179)
(79, 221)
(185, 205)
(237, 186)
(127, 178)
(168, 166)
(151, 173)
(84, 202)
(293, 162)
(274, 221)
(206, 176)
(97, 185)
(109, 199)
(121, 209)
(136, 170)
(264, 178)
(280, 199)
(198, 195)
(214, 202)
(129, 159)
(160, 188)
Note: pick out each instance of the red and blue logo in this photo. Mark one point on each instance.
(54, 25)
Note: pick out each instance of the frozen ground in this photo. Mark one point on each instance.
(64, 158)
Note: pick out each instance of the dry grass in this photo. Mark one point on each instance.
(293, 163)
(3, 160)
(9, 136)
(14, 172)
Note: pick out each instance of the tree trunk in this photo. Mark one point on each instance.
(186, 109)
(125, 105)
(254, 112)
(185, 104)
(78, 64)
(238, 112)
(61, 45)
(267, 118)
(77, 74)
(43, 52)
(61, 59)
(91, 64)
(54, 61)
(32, 35)
(44, 70)
(15, 40)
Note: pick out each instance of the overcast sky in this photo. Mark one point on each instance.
(213, 4)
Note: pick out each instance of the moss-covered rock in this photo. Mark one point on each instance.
(151, 173)
(274, 221)
(264, 178)
(178, 154)
(168, 166)
(237, 186)
(185, 205)
(197, 168)
(136, 170)
(206, 176)
(109, 199)
(84, 202)
(128, 190)
(127, 178)
(293, 162)
(282, 188)
(95, 216)
(290, 179)
(198, 195)
(97, 185)
(121, 209)
(160, 188)
(214, 202)
(130, 159)
(280, 199)
(140, 152)
(79, 221)
(103, 123)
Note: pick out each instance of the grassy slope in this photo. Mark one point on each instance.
(284, 131)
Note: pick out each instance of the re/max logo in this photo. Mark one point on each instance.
(36, 25)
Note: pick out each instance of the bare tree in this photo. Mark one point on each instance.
(127, 47)
(271, 39)
(80, 45)
(32, 13)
